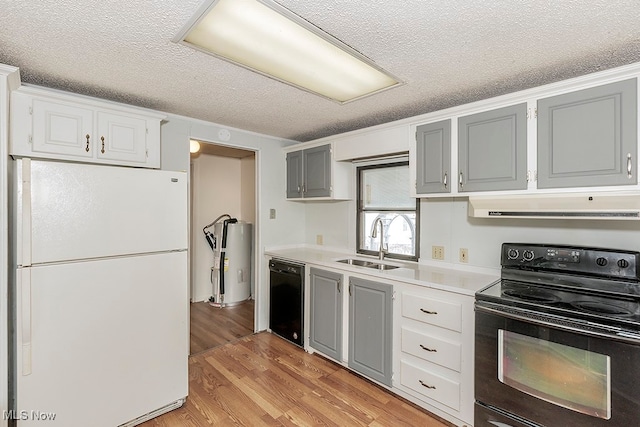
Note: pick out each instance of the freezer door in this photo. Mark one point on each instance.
(71, 211)
(101, 342)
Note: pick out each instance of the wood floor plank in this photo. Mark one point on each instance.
(215, 326)
(263, 380)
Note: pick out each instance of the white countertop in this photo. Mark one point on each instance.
(461, 280)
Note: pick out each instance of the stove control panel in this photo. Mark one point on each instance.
(574, 259)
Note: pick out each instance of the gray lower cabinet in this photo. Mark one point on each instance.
(326, 312)
(588, 137)
(309, 172)
(492, 150)
(433, 157)
(370, 329)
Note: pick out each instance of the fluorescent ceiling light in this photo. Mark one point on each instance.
(267, 38)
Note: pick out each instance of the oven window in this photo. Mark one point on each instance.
(570, 377)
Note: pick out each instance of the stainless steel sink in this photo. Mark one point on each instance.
(368, 264)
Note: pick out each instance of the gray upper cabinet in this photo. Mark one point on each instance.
(370, 329)
(294, 174)
(317, 171)
(309, 172)
(433, 157)
(326, 312)
(588, 137)
(492, 150)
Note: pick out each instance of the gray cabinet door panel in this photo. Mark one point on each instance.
(317, 171)
(492, 150)
(370, 329)
(294, 174)
(586, 138)
(326, 313)
(433, 157)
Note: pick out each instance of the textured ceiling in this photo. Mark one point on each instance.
(448, 53)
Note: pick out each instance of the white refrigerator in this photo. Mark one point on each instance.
(100, 305)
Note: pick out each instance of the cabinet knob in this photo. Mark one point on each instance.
(87, 147)
(102, 149)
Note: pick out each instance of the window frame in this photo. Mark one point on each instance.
(360, 209)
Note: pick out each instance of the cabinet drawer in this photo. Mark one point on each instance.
(436, 312)
(430, 385)
(430, 348)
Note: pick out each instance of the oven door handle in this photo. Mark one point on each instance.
(557, 322)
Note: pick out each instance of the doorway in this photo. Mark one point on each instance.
(223, 182)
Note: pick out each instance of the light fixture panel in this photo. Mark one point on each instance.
(269, 39)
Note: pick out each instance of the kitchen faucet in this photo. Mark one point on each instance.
(374, 234)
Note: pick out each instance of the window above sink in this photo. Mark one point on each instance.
(383, 194)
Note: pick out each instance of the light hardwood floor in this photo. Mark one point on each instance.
(263, 380)
(214, 326)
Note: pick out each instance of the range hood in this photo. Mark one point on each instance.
(558, 206)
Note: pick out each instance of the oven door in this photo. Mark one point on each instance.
(538, 370)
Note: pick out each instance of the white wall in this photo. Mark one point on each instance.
(9, 80)
(444, 222)
(248, 189)
(335, 221)
(217, 189)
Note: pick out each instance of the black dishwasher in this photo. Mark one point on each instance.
(286, 300)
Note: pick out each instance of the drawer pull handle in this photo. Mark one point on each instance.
(102, 150)
(432, 387)
(432, 350)
(428, 312)
(87, 147)
(629, 167)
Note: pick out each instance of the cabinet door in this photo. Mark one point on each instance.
(370, 322)
(294, 175)
(122, 138)
(326, 313)
(492, 150)
(588, 137)
(317, 171)
(60, 128)
(433, 158)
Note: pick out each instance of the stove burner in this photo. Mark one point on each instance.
(531, 294)
(602, 308)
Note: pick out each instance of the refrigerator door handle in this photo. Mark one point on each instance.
(24, 284)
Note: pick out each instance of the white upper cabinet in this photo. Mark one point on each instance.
(56, 125)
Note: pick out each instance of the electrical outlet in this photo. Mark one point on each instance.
(272, 214)
(464, 255)
(437, 252)
(319, 239)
